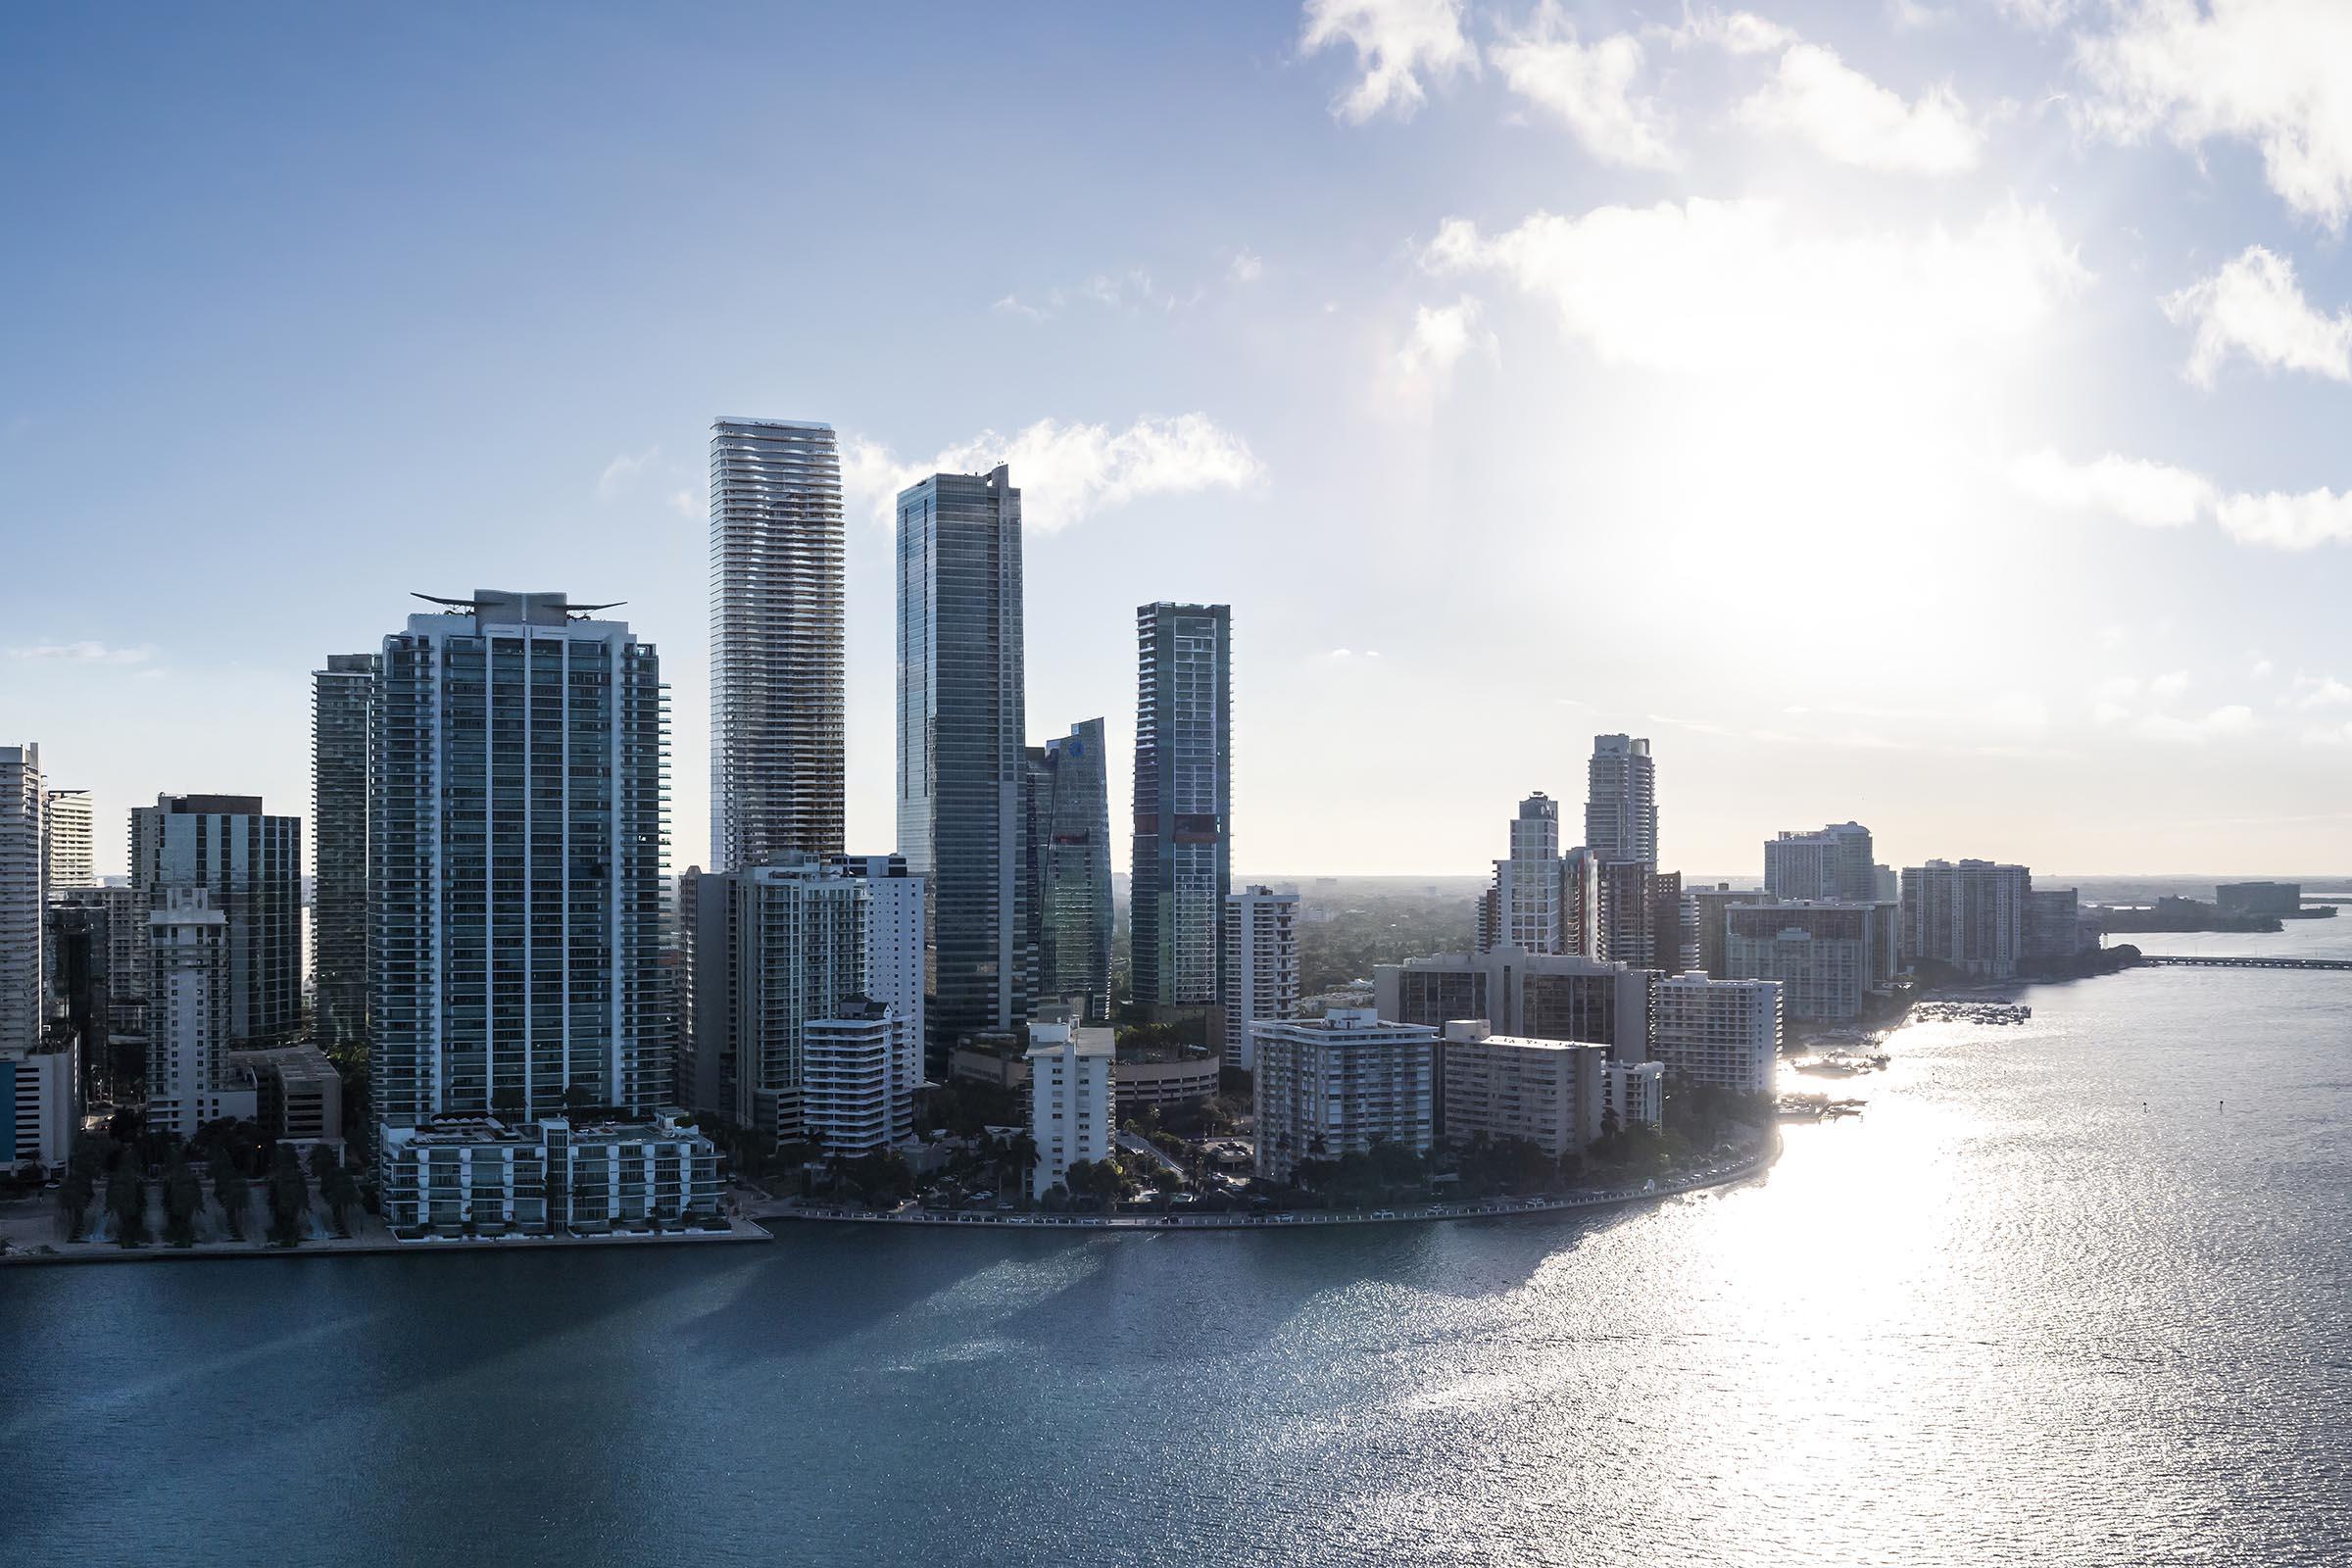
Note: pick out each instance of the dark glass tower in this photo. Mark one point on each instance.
(961, 777)
(1183, 799)
(1069, 861)
(342, 708)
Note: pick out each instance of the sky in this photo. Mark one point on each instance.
(1924, 414)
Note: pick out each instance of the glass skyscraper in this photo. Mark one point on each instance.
(515, 851)
(1183, 800)
(776, 625)
(960, 741)
(1069, 859)
(342, 708)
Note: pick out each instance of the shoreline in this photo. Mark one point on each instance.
(740, 1230)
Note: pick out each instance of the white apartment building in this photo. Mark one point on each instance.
(1723, 1032)
(1828, 957)
(1831, 862)
(1261, 968)
(40, 1102)
(1338, 1084)
(23, 843)
(1636, 1091)
(1547, 1092)
(545, 1176)
(1970, 916)
(1069, 1097)
(894, 969)
(67, 857)
(189, 1014)
(848, 1071)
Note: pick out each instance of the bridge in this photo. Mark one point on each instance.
(2198, 962)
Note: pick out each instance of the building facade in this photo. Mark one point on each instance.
(1067, 858)
(23, 843)
(1339, 1084)
(961, 735)
(342, 723)
(515, 847)
(850, 1102)
(189, 1011)
(1183, 854)
(1069, 1099)
(1830, 864)
(1641, 916)
(777, 622)
(778, 946)
(40, 1102)
(480, 1174)
(1261, 968)
(1969, 918)
(1543, 996)
(249, 862)
(1634, 1093)
(1621, 800)
(1546, 1091)
(67, 854)
(894, 968)
(1720, 1032)
(1828, 958)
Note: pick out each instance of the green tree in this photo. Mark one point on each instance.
(183, 1199)
(78, 1190)
(126, 1199)
(229, 1191)
(340, 1192)
(289, 1197)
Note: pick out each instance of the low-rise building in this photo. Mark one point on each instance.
(1635, 1092)
(1069, 1097)
(1547, 1092)
(1338, 1084)
(1161, 1077)
(298, 1096)
(41, 1101)
(546, 1177)
(1722, 1032)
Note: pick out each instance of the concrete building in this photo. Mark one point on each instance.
(1635, 1092)
(1543, 996)
(1541, 898)
(24, 843)
(1830, 864)
(41, 1101)
(850, 1099)
(581, 1176)
(1162, 1078)
(778, 946)
(1339, 1084)
(515, 847)
(67, 854)
(1183, 853)
(2055, 931)
(298, 1096)
(962, 733)
(1261, 968)
(1621, 800)
(342, 722)
(250, 861)
(1828, 958)
(1069, 1097)
(1720, 1032)
(1969, 918)
(1707, 907)
(1067, 856)
(1886, 886)
(777, 622)
(189, 1014)
(1641, 916)
(894, 968)
(1547, 1092)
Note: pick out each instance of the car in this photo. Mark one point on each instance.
(1384, 1214)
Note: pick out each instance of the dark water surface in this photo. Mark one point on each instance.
(2049, 1302)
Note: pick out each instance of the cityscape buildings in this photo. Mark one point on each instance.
(1067, 853)
(1339, 1084)
(342, 720)
(1621, 800)
(192, 1004)
(1830, 957)
(1720, 1032)
(961, 769)
(1543, 996)
(41, 1101)
(894, 968)
(66, 844)
(1261, 968)
(777, 946)
(1830, 864)
(23, 845)
(1181, 864)
(1633, 1092)
(1547, 1092)
(1069, 1097)
(852, 1094)
(249, 862)
(1969, 918)
(778, 622)
(1540, 898)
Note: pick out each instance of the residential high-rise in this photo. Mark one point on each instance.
(1547, 1092)
(192, 1002)
(1641, 916)
(1832, 863)
(23, 843)
(1069, 1097)
(960, 739)
(66, 844)
(1828, 958)
(1708, 906)
(1545, 996)
(894, 968)
(1720, 1032)
(515, 847)
(1969, 918)
(848, 1095)
(250, 861)
(1261, 968)
(776, 639)
(1621, 800)
(1540, 898)
(342, 718)
(1182, 865)
(1339, 1084)
(1068, 856)
(776, 945)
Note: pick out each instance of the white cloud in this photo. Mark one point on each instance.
(2117, 689)
(621, 469)
(688, 502)
(2253, 307)
(1739, 32)
(2040, 15)
(2267, 72)
(2172, 685)
(2321, 691)
(2151, 495)
(1014, 305)
(1065, 472)
(1248, 267)
(2287, 523)
(86, 653)
(2220, 723)
(1710, 285)
(1587, 87)
(1423, 368)
(1397, 42)
(1849, 117)
(2262, 668)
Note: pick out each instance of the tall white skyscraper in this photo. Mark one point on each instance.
(24, 841)
(1069, 1097)
(1834, 862)
(66, 859)
(1621, 800)
(1261, 968)
(515, 863)
(776, 628)
(894, 969)
(188, 1010)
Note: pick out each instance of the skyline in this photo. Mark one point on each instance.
(1723, 292)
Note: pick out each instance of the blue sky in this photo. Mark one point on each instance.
(1926, 414)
